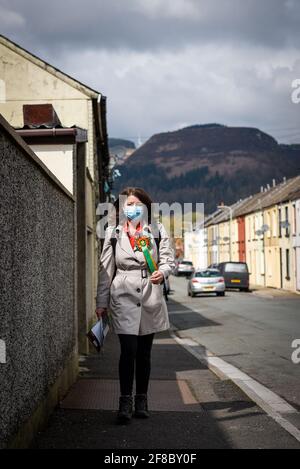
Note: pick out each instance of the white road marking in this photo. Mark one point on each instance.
(272, 404)
(188, 310)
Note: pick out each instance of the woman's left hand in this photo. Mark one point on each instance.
(157, 277)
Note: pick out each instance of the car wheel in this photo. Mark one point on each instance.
(192, 294)
(221, 293)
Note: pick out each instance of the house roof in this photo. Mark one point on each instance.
(98, 104)
(49, 68)
(295, 194)
(283, 192)
(223, 215)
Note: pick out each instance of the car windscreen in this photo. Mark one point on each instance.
(186, 263)
(208, 273)
(236, 267)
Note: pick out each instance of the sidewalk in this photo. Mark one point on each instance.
(269, 292)
(191, 408)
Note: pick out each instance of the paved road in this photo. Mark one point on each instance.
(252, 332)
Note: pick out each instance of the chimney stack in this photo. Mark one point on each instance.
(36, 115)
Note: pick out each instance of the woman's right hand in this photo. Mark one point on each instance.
(100, 312)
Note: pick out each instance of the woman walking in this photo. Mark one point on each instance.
(130, 286)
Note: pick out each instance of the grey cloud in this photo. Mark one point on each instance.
(150, 93)
(153, 25)
(164, 64)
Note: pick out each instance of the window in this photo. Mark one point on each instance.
(274, 224)
(208, 273)
(287, 220)
(287, 260)
(249, 228)
(235, 267)
(269, 224)
(279, 222)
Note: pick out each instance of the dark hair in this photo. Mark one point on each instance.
(141, 195)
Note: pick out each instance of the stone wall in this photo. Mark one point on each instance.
(37, 282)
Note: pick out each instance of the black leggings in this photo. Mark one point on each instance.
(135, 350)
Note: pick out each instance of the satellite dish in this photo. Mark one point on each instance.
(284, 224)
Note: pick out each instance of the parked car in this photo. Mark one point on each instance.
(184, 267)
(206, 281)
(213, 266)
(236, 275)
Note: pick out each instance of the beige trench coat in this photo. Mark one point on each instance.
(137, 306)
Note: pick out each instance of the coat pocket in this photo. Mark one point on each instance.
(117, 289)
(156, 294)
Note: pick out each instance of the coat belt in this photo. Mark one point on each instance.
(144, 273)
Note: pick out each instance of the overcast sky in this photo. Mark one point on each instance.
(165, 64)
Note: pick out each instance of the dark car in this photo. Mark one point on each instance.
(236, 275)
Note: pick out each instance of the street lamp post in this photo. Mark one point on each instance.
(222, 207)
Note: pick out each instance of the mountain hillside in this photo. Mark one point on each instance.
(208, 163)
(120, 149)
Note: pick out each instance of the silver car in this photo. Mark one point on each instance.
(184, 267)
(206, 281)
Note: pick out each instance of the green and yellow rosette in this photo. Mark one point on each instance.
(143, 243)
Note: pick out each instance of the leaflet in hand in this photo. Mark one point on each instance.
(98, 332)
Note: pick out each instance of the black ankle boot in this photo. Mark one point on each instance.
(141, 406)
(125, 409)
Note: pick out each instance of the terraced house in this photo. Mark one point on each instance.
(262, 230)
(64, 123)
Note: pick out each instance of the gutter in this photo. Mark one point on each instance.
(78, 134)
(101, 139)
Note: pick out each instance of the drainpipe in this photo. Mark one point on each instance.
(99, 140)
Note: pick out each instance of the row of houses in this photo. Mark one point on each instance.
(262, 230)
(54, 171)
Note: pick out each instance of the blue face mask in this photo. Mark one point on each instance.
(133, 212)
